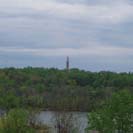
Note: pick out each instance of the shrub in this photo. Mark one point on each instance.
(115, 116)
(15, 121)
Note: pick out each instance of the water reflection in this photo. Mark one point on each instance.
(57, 121)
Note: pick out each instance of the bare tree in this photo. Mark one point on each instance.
(65, 122)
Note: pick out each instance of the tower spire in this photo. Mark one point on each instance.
(67, 63)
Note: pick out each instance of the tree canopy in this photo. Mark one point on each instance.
(116, 115)
(59, 89)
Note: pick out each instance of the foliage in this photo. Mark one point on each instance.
(15, 121)
(59, 89)
(116, 115)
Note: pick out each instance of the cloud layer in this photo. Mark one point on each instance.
(83, 29)
(104, 12)
(109, 51)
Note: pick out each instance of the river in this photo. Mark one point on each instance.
(78, 120)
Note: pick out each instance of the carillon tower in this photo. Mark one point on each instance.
(67, 63)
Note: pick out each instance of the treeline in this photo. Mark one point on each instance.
(53, 89)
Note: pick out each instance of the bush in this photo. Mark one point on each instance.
(15, 121)
(115, 116)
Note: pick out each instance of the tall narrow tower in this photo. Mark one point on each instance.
(67, 63)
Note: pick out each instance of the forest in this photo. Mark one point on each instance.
(61, 90)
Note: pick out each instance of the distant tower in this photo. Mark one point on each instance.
(67, 63)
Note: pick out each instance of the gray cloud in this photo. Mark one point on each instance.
(114, 12)
(103, 51)
(93, 30)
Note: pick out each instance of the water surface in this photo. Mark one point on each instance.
(79, 119)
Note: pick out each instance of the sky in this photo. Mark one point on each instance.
(95, 34)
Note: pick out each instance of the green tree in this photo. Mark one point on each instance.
(15, 121)
(116, 115)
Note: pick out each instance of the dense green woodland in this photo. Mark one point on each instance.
(53, 89)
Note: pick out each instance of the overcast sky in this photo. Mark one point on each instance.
(96, 34)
